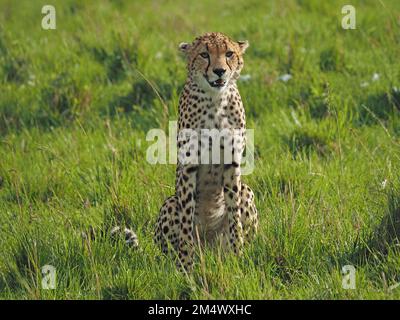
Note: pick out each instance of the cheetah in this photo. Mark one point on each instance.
(211, 204)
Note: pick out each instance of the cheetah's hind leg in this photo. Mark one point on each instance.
(167, 227)
(249, 214)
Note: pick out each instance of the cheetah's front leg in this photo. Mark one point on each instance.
(232, 187)
(186, 197)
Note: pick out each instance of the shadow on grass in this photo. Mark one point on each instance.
(23, 269)
(385, 237)
(302, 141)
(279, 185)
(117, 62)
(15, 64)
(331, 59)
(379, 107)
(64, 101)
(66, 97)
(18, 269)
(143, 104)
(116, 292)
(141, 94)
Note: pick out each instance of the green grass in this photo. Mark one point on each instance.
(75, 101)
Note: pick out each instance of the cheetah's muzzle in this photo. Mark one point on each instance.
(219, 83)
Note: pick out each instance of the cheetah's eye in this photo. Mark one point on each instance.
(229, 54)
(204, 55)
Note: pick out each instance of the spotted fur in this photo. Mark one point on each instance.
(211, 204)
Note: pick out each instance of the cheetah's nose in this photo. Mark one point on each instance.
(219, 72)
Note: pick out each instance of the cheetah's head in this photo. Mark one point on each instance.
(214, 60)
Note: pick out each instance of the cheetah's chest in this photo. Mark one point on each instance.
(210, 217)
(202, 113)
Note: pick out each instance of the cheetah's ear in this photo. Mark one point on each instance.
(243, 45)
(184, 47)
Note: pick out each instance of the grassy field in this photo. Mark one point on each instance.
(76, 104)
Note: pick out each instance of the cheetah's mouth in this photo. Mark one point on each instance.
(219, 83)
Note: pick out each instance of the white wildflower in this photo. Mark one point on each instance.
(285, 77)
